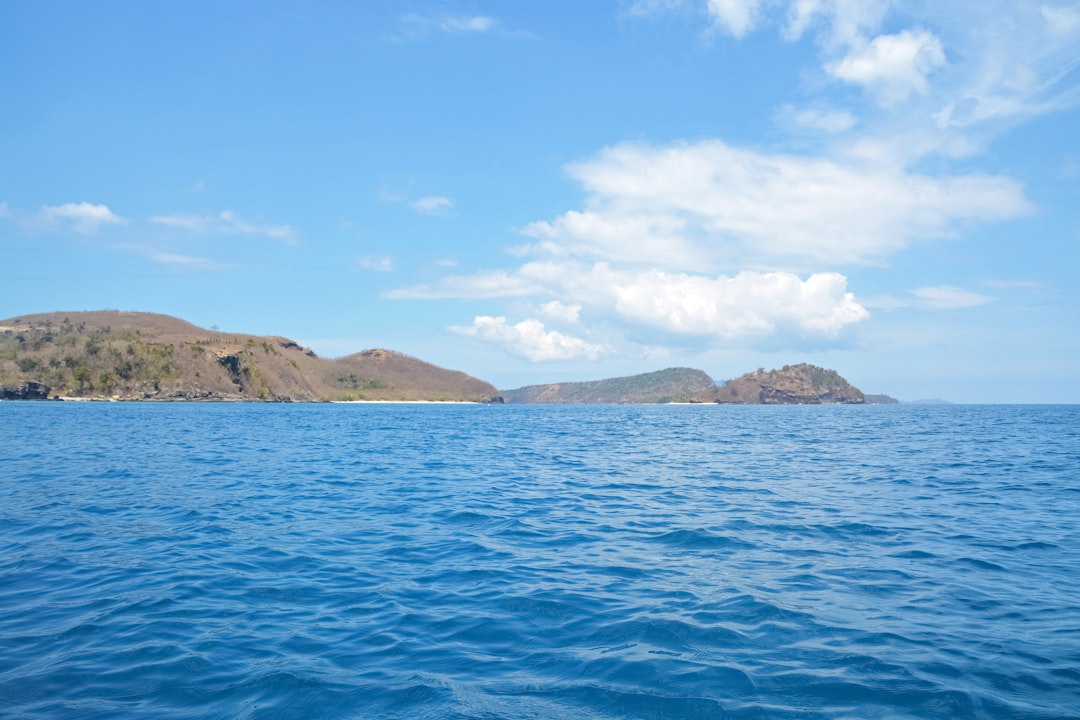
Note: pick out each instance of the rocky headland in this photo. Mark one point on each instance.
(801, 384)
(112, 355)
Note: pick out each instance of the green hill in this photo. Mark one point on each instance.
(671, 385)
(143, 356)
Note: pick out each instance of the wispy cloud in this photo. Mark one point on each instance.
(187, 261)
(226, 222)
(425, 205)
(735, 17)
(947, 76)
(416, 27)
(192, 223)
(947, 297)
(378, 263)
(829, 121)
(432, 204)
(483, 285)
(83, 217)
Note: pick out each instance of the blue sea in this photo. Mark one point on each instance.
(583, 562)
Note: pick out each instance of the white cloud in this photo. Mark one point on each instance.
(892, 66)
(707, 204)
(560, 311)
(829, 121)
(947, 297)
(226, 222)
(432, 204)
(187, 261)
(458, 24)
(193, 223)
(736, 17)
(1062, 21)
(750, 305)
(232, 223)
(417, 27)
(85, 217)
(1027, 71)
(529, 339)
(840, 23)
(1015, 284)
(1006, 59)
(482, 285)
(378, 263)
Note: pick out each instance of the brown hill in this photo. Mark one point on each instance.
(144, 356)
(671, 385)
(801, 384)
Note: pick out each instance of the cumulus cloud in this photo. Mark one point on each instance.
(529, 339)
(226, 222)
(947, 297)
(726, 244)
(560, 311)
(707, 204)
(750, 305)
(85, 217)
(892, 66)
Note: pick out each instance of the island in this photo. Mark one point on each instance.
(116, 355)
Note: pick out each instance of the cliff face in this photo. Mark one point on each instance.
(142, 356)
(671, 385)
(801, 384)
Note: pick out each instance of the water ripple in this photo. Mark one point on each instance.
(251, 561)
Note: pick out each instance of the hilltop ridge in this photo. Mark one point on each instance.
(144, 356)
(670, 385)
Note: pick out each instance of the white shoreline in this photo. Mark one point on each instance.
(404, 402)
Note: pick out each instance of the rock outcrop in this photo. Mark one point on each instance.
(28, 390)
(801, 384)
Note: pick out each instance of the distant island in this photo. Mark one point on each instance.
(114, 355)
(801, 384)
(663, 386)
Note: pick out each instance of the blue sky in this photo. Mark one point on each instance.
(542, 192)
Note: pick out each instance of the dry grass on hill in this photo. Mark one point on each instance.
(143, 356)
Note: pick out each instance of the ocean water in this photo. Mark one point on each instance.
(417, 561)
